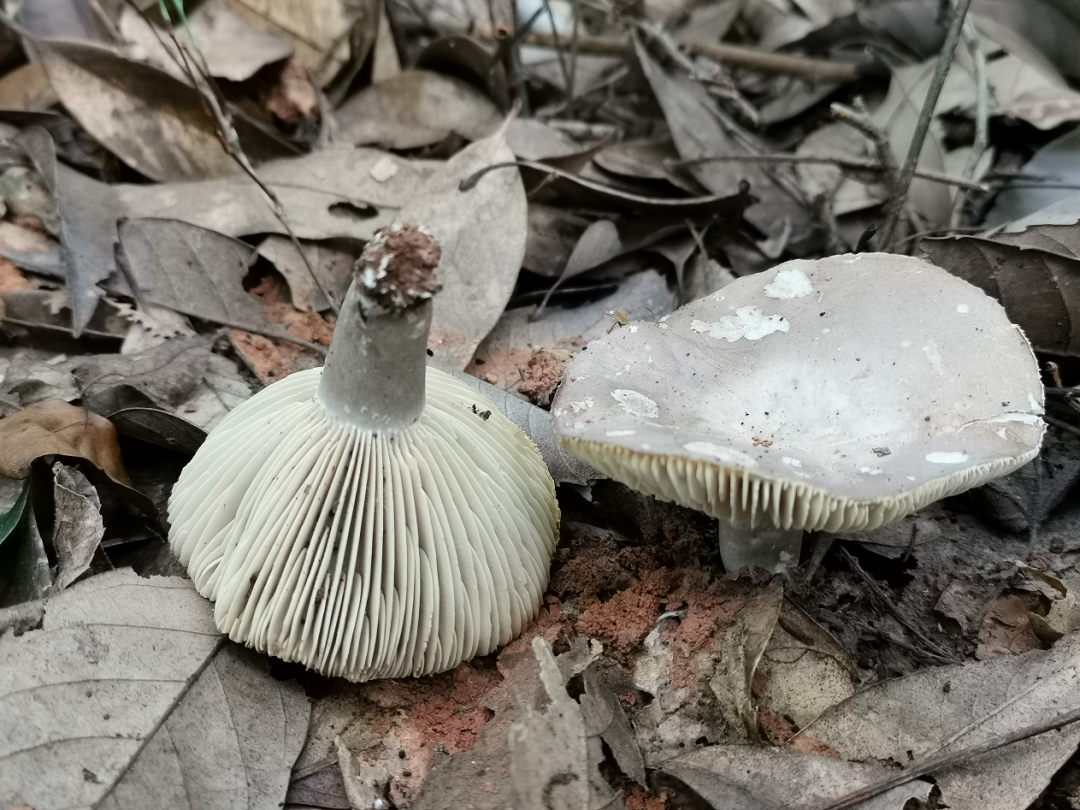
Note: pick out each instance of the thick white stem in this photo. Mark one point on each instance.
(375, 371)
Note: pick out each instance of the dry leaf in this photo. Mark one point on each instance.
(955, 707)
(78, 528)
(1059, 164)
(150, 120)
(417, 108)
(57, 428)
(124, 697)
(482, 233)
(331, 261)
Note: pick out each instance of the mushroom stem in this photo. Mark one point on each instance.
(775, 550)
(375, 371)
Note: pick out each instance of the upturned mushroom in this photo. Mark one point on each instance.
(837, 394)
(372, 518)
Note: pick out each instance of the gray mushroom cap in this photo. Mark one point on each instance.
(837, 394)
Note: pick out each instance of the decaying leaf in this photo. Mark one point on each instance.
(758, 778)
(331, 261)
(162, 377)
(965, 705)
(417, 108)
(149, 119)
(125, 697)
(482, 233)
(605, 716)
(24, 565)
(1058, 163)
(552, 759)
(57, 428)
(78, 527)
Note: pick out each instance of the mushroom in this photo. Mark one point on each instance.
(837, 394)
(373, 518)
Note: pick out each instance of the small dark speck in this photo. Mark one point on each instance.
(881, 451)
(926, 418)
(946, 687)
(485, 415)
(401, 753)
(430, 353)
(480, 361)
(821, 314)
(766, 413)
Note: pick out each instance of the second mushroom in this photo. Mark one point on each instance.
(837, 394)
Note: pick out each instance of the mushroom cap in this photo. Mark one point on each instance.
(837, 394)
(367, 555)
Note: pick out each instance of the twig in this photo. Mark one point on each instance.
(804, 67)
(1061, 424)
(854, 164)
(907, 172)
(858, 116)
(575, 43)
(568, 76)
(939, 761)
(982, 114)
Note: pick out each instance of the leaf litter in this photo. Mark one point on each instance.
(650, 157)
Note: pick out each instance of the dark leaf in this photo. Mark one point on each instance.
(159, 427)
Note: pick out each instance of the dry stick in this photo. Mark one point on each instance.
(859, 117)
(982, 114)
(854, 164)
(803, 67)
(939, 761)
(945, 59)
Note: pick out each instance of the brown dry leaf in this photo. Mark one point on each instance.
(417, 108)
(293, 97)
(482, 233)
(57, 428)
(320, 32)
(1039, 288)
(150, 120)
(1046, 108)
(27, 88)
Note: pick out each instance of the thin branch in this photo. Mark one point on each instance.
(854, 164)
(982, 114)
(803, 67)
(937, 762)
(859, 117)
(907, 172)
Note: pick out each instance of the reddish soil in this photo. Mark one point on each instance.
(640, 799)
(11, 278)
(293, 98)
(542, 374)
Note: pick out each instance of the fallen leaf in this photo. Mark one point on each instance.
(1058, 164)
(127, 679)
(1048, 25)
(605, 715)
(13, 497)
(698, 133)
(321, 40)
(231, 47)
(159, 428)
(24, 565)
(954, 707)
(482, 234)
(553, 232)
(222, 389)
(553, 762)
(759, 778)
(152, 121)
(1046, 108)
(78, 527)
(65, 19)
(27, 88)
(36, 376)
(846, 194)
(162, 377)
(191, 270)
(57, 428)
(330, 193)
(1039, 289)
(417, 108)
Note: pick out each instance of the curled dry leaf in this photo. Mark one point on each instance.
(78, 528)
(482, 233)
(417, 108)
(57, 428)
(124, 696)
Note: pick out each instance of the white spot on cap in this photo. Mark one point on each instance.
(635, 403)
(943, 457)
(662, 325)
(383, 171)
(747, 322)
(725, 455)
(870, 470)
(789, 284)
(1035, 404)
(1001, 433)
(794, 462)
(578, 407)
(632, 327)
(933, 354)
(962, 308)
(620, 433)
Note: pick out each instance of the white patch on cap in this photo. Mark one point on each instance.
(747, 322)
(662, 326)
(933, 354)
(1035, 404)
(962, 308)
(789, 284)
(725, 455)
(635, 404)
(870, 470)
(633, 328)
(794, 462)
(620, 433)
(578, 407)
(383, 170)
(947, 458)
